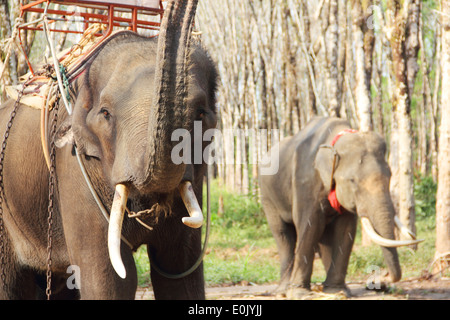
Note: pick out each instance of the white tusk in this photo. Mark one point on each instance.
(115, 229)
(404, 230)
(190, 201)
(367, 225)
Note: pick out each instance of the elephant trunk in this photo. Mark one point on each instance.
(168, 112)
(118, 210)
(380, 226)
(384, 232)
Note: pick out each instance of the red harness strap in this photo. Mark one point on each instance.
(340, 134)
(332, 195)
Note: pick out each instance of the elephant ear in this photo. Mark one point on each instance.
(64, 135)
(323, 163)
(74, 130)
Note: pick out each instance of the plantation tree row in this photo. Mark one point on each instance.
(382, 64)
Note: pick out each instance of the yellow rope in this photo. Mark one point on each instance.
(38, 98)
(88, 39)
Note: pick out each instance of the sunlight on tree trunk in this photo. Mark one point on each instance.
(398, 13)
(362, 94)
(442, 254)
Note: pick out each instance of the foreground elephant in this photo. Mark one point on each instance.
(298, 200)
(131, 97)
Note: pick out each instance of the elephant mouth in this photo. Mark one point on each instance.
(195, 220)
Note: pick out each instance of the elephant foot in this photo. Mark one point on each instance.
(333, 289)
(280, 291)
(296, 292)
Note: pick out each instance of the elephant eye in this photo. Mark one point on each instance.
(105, 113)
(201, 113)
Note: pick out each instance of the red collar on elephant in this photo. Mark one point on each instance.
(334, 201)
(341, 133)
(332, 195)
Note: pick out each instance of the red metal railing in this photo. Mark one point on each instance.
(106, 13)
(125, 14)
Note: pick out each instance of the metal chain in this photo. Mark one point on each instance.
(2, 191)
(51, 198)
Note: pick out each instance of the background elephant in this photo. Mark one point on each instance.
(130, 98)
(296, 201)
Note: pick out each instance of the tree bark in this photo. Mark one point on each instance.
(362, 92)
(398, 13)
(332, 40)
(343, 43)
(424, 157)
(442, 254)
(412, 43)
(9, 75)
(434, 106)
(303, 23)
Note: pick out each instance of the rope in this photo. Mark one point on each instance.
(205, 243)
(95, 195)
(440, 260)
(72, 61)
(7, 44)
(87, 41)
(55, 62)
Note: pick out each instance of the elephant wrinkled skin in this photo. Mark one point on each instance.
(295, 201)
(121, 125)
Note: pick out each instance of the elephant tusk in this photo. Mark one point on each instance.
(190, 201)
(115, 229)
(367, 225)
(408, 234)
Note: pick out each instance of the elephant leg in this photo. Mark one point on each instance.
(285, 237)
(309, 227)
(92, 271)
(190, 287)
(61, 288)
(97, 278)
(19, 282)
(174, 253)
(86, 235)
(20, 286)
(335, 249)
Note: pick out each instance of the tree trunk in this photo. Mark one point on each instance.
(378, 76)
(343, 43)
(362, 93)
(397, 23)
(363, 65)
(442, 254)
(424, 155)
(369, 40)
(302, 20)
(9, 74)
(434, 106)
(332, 40)
(412, 44)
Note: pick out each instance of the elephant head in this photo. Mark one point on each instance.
(354, 167)
(130, 99)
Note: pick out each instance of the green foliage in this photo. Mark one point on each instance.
(142, 266)
(248, 264)
(363, 259)
(240, 240)
(238, 209)
(241, 248)
(425, 195)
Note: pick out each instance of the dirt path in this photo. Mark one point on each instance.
(404, 290)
